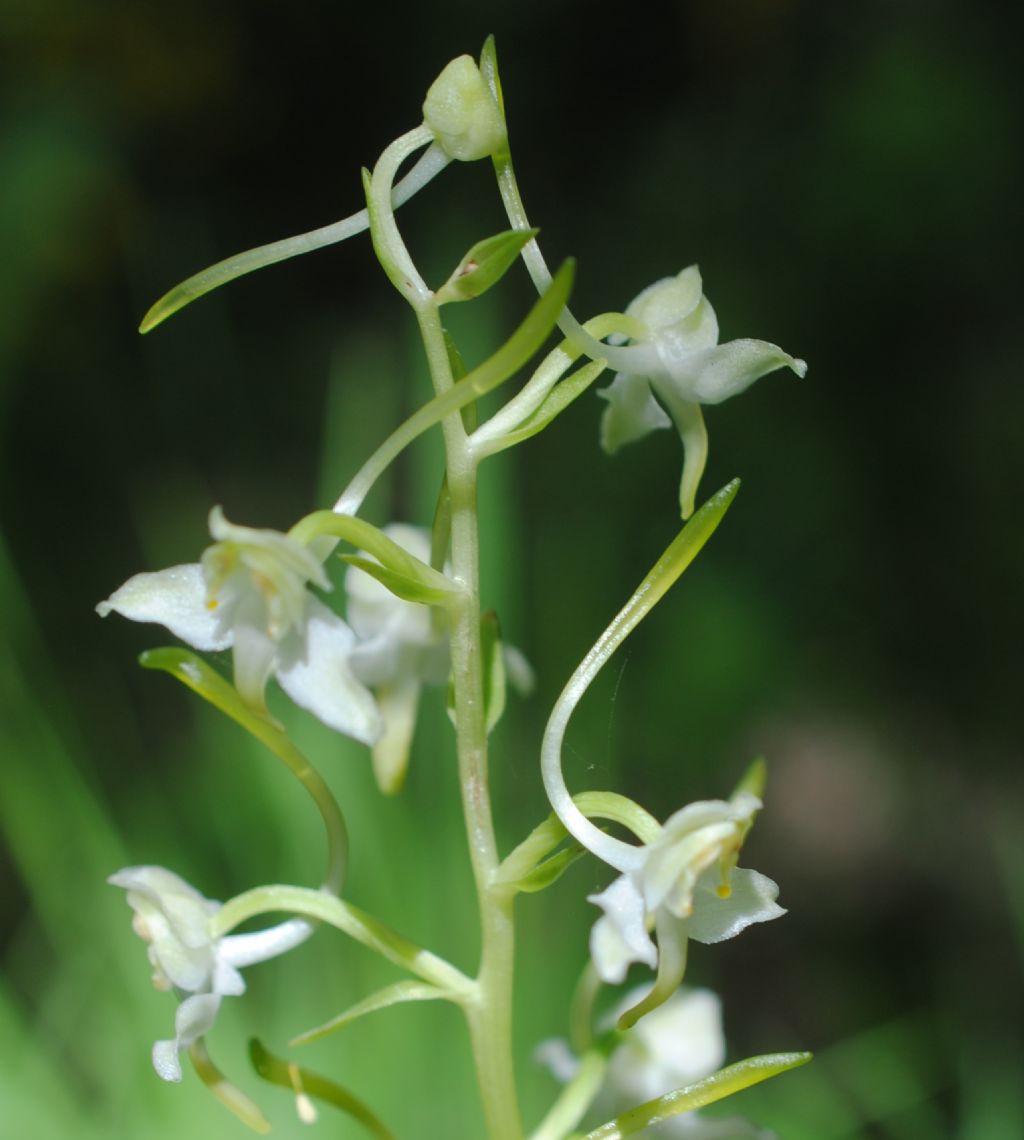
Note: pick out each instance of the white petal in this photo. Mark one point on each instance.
(194, 1017)
(620, 937)
(751, 899)
(715, 374)
(669, 300)
(245, 949)
(315, 672)
(174, 598)
(632, 411)
(255, 651)
(165, 1060)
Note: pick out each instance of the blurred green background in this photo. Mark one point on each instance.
(848, 177)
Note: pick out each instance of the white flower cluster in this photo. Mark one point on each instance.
(250, 592)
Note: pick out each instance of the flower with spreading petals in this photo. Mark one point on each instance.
(174, 919)
(401, 646)
(250, 593)
(685, 884)
(683, 365)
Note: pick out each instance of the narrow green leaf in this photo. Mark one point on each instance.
(528, 337)
(484, 265)
(382, 999)
(731, 1079)
(201, 678)
(557, 400)
(302, 1082)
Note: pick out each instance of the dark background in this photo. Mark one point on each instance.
(848, 177)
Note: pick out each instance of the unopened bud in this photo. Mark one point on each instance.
(461, 111)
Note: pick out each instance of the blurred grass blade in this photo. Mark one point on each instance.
(732, 1079)
(291, 1076)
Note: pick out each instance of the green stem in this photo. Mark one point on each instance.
(489, 1009)
(490, 1017)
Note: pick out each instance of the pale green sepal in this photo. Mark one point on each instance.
(560, 397)
(731, 1079)
(304, 1083)
(632, 412)
(229, 1095)
(485, 265)
(382, 999)
(408, 589)
(716, 374)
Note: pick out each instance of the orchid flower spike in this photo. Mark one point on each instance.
(175, 920)
(249, 592)
(684, 366)
(685, 884)
(401, 646)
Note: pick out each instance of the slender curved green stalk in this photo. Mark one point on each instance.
(680, 553)
(431, 163)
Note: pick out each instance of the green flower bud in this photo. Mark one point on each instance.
(461, 111)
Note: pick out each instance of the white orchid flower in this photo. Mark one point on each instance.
(677, 1044)
(684, 366)
(174, 919)
(249, 592)
(685, 884)
(401, 646)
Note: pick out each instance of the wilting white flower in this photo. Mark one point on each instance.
(684, 366)
(174, 919)
(686, 884)
(401, 646)
(249, 592)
